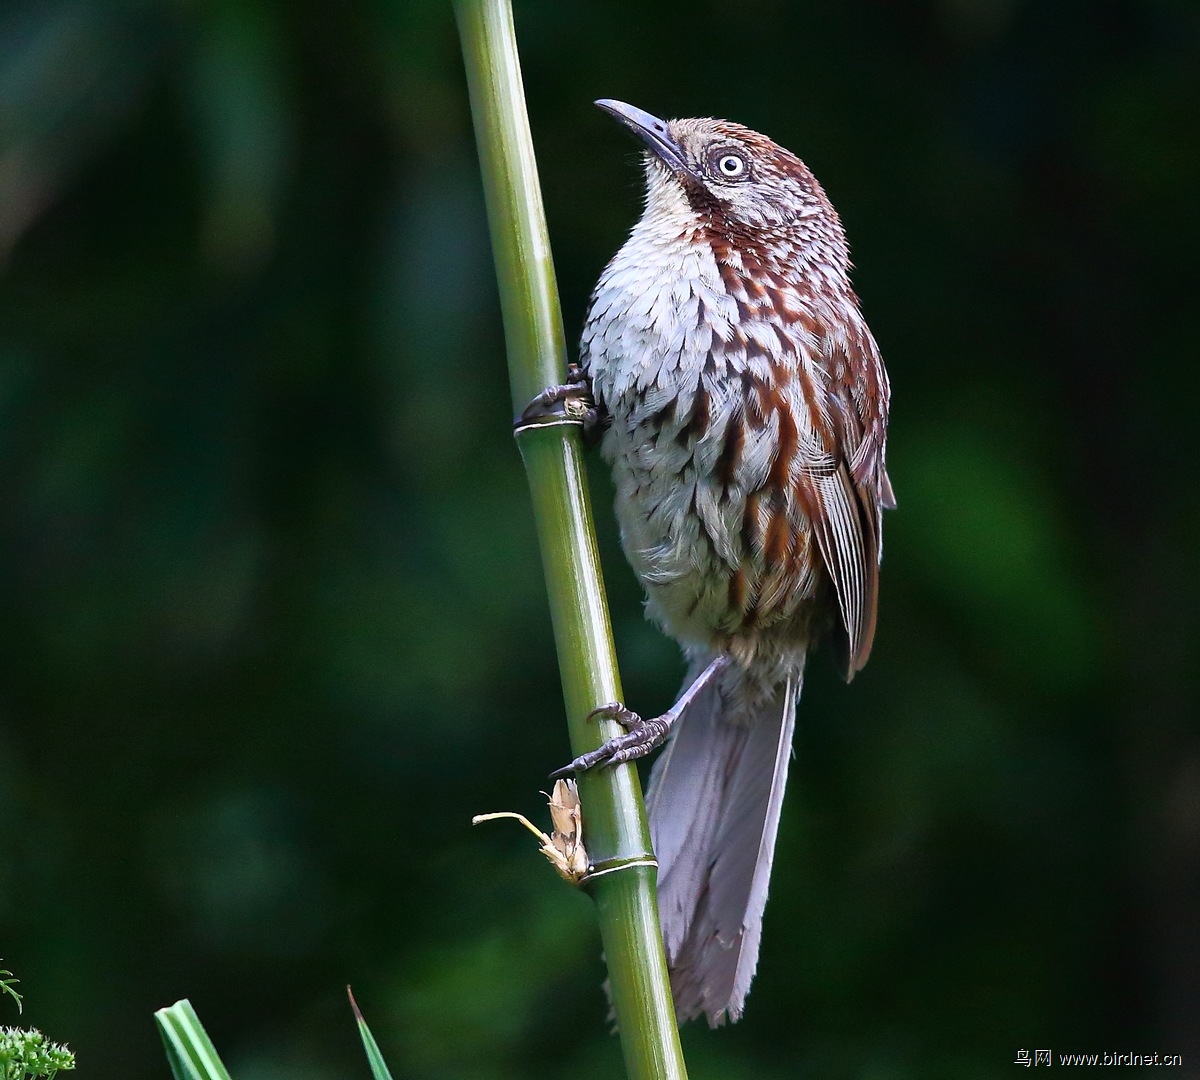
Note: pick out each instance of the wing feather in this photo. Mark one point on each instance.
(848, 494)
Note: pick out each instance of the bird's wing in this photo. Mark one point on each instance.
(845, 477)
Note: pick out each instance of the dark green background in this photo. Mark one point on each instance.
(272, 623)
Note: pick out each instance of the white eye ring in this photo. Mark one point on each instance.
(731, 166)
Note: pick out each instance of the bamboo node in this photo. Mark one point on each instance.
(614, 866)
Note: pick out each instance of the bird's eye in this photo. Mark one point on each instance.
(730, 166)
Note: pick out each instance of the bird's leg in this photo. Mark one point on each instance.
(571, 400)
(641, 736)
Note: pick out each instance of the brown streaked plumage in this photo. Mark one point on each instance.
(748, 411)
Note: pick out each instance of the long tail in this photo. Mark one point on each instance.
(714, 801)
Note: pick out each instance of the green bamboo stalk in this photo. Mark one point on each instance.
(614, 818)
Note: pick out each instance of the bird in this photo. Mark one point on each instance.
(743, 405)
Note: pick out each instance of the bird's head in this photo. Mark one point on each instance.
(724, 169)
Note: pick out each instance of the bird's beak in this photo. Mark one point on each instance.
(651, 130)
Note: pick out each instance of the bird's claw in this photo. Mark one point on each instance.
(641, 736)
(614, 710)
(570, 402)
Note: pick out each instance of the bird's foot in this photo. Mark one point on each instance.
(571, 401)
(641, 736)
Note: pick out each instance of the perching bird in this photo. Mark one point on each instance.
(747, 410)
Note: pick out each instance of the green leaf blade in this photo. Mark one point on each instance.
(379, 1069)
(190, 1051)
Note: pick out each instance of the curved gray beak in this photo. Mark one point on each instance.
(651, 130)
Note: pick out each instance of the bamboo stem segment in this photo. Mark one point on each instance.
(611, 798)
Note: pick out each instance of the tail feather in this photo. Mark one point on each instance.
(715, 798)
(685, 785)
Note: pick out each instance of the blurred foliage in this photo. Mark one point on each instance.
(29, 1055)
(272, 626)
